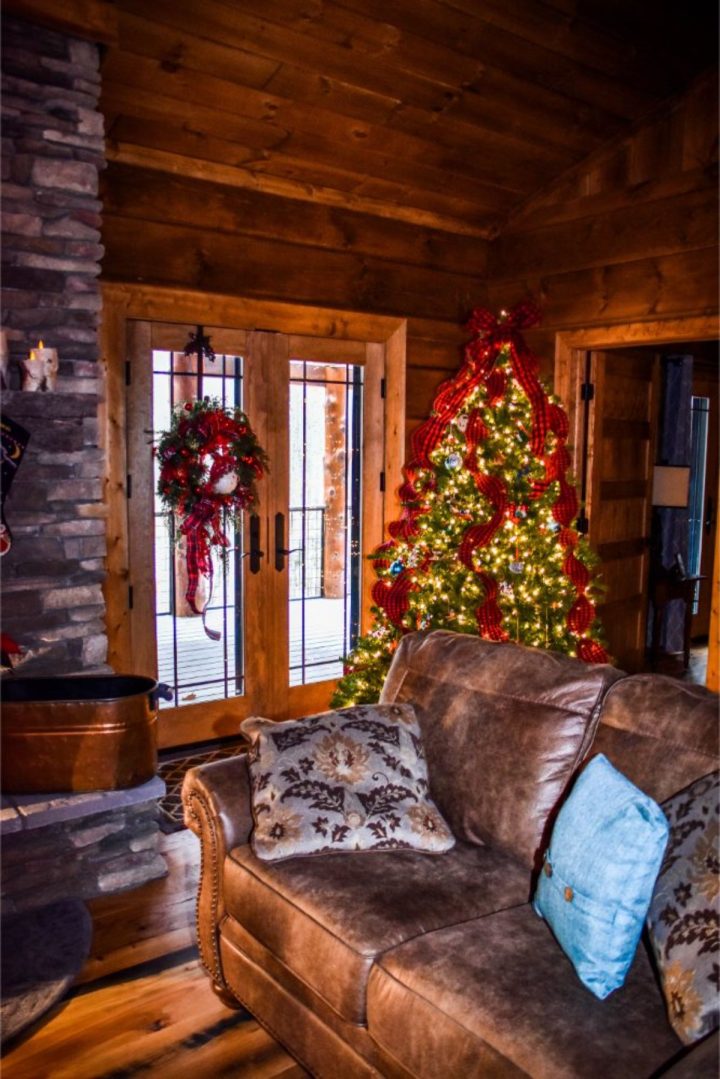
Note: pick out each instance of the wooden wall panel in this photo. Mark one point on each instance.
(631, 234)
(146, 195)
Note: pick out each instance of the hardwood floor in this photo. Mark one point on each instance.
(142, 1005)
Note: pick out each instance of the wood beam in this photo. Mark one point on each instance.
(92, 20)
(247, 179)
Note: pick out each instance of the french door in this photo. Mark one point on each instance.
(292, 594)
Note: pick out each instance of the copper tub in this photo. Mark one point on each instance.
(84, 733)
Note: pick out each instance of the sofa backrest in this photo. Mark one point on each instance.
(504, 727)
(659, 732)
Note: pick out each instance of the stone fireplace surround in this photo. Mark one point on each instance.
(53, 151)
(59, 845)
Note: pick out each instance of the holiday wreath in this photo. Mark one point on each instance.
(210, 460)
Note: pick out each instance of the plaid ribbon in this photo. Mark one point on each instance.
(488, 614)
(493, 488)
(201, 528)
(582, 613)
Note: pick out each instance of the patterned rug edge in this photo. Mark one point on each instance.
(170, 817)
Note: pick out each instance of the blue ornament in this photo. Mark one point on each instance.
(516, 567)
(454, 460)
(396, 567)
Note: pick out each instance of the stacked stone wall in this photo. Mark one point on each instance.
(53, 151)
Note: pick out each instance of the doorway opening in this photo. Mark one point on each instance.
(621, 433)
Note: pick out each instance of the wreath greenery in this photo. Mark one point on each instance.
(210, 461)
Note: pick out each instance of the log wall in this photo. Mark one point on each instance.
(629, 236)
(172, 230)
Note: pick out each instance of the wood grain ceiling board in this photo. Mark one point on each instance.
(448, 113)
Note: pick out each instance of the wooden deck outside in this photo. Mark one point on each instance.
(143, 1005)
(202, 660)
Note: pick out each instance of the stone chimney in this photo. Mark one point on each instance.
(53, 151)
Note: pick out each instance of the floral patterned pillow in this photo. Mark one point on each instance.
(351, 780)
(684, 916)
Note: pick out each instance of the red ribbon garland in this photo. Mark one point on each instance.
(581, 615)
(488, 615)
(493, 488)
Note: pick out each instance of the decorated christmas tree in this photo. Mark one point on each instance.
(485, 542)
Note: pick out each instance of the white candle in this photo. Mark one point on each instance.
(40, 369)
(44, 355)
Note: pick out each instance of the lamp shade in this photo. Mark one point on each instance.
(671, 484)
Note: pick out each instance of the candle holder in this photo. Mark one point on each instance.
(39, 369)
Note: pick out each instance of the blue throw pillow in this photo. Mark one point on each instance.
(597, 881)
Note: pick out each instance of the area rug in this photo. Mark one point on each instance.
(173, 770)
(43, 950)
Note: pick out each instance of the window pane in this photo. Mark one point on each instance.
(196, 667)
(324, 527)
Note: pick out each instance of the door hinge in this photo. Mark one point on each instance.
(383, 388)
(131, 597)
(582, 524)
(587, 391)
(128, 485)
(128, 374)
(382, 482)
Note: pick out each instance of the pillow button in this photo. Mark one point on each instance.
(568, 893)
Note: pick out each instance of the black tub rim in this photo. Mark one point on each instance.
(76, 689)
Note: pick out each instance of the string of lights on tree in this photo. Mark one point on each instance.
(485, 543)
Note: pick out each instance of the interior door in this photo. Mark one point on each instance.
(287, 615)
(623, 421)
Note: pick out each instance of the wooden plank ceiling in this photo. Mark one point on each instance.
(448, 114)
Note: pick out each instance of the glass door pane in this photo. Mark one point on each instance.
(325, 459)
(194, 666)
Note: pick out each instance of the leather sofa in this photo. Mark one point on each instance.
(402, 964)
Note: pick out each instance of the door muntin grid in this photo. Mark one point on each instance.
(197, 668)
(325, 457)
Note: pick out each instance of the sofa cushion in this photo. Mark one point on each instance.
(684, 916)
(350, 780)
(504, 727)
(327, 917)
(660, 733)
(500, 987)
(599, 873)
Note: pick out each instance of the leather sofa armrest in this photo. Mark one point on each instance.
(216, 807)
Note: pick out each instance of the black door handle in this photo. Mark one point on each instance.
(280, 549)
(255, 553)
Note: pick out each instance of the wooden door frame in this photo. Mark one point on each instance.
(127, 302)
(570, 349)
